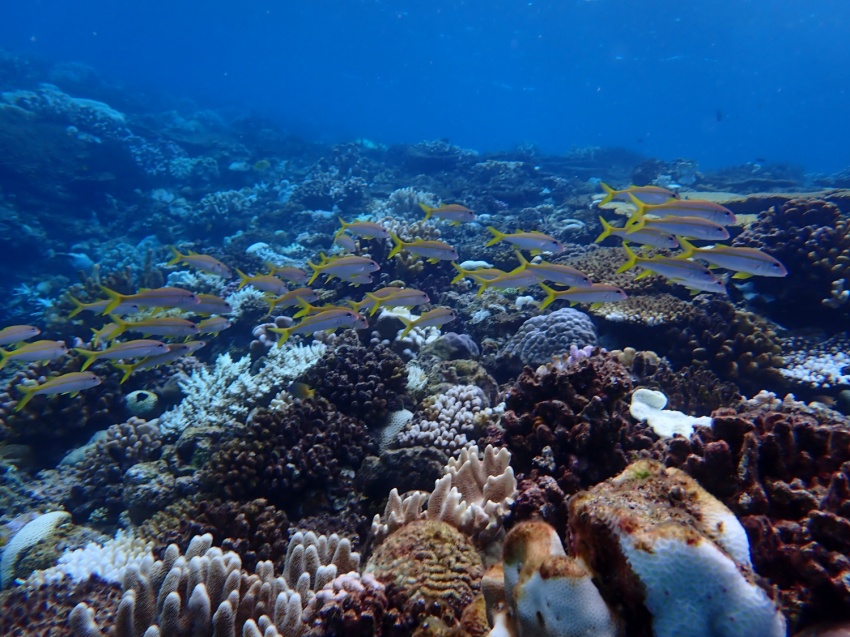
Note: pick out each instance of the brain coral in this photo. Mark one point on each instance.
(542, 337)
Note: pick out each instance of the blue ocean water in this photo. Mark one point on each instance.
(722, 82)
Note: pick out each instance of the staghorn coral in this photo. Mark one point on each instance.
(365, 383)
(542, 337)
(284, 456)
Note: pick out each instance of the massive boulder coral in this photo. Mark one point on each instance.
(282, 455)
(672, 555)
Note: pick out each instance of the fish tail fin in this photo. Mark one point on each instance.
(177, 258)
(398, 245)
(79, 306)
(4, 358)
(688, 247)
(636, 221)
(316, 271)
(609, 193)
(272, 303)
(408, 326)
(28, 393)
(551, 295)
(122, 327)
(243, 279)
(497, 236)
(305, 307)
(114, 299)
(355, 305)
(631, 262)
(90, 356)
(376, 303)
(344, 224)
(127, 368)
(461, 273)
(523, 262)
(607, 229)
(427, 210)
(285, 333)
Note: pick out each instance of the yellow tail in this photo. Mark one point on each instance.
(607, 229)
(127, 368)
(114, 299)
(376, 304)
(91, 357)
(28, 393)
(244, 279)
(689, 248)
(610, 193)
(79, 306)
(636, 221)
(317, 270)
(461, 273)
(632, 261)
(285, 333)
(497, 236)
(122, 327)
(408, 325)
(551, 296)
(4, 358)
(177, 256)
(398, 247)
(427, 209)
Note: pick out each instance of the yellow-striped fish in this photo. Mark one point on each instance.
(65, 384)
(202, 262)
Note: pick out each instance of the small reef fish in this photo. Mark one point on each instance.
(689, 227)
(288, 273)
(301, 391)
(516, 278)
(487, 273)
(159, 297)
(104, 334)
(98, 306)
(327, 321)
(291, 298)
(669, 267)
(344, 242)
(344, 267)
(307, 309)
(202, 262)
(555, 272)
(432, 251)
(534, 241)
(262, 282)
(175, 351)
(158, 326)
(646, 194)
(17, 333)
(432, 318)
(365, 229)
(359, 279)
(595, 294)
(712, 287)
(645, 236)
(454, 213)
(131, 349)
(392, 297)
(745, 262)
(39, 351)
(684, 208)
(211, 304)
(213, 325)
(64, 384)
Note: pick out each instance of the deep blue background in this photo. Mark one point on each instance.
(720, 81)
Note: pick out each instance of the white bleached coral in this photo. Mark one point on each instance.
(228, 391)
(39, 530)
(820, 366)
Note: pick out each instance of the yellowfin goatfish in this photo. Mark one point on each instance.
(365, 229)
(17, 333)
(454, 213)
(344, 242)
(342, 267)
(534, 241)
(671, 268)
(175, 351)
(262, 282)
(517, 278)
(39, 351)
(486, 273)
(131, 349)
(288, 273)
(393, 297)
(213, 325)
(159, 297)
(646, 194)
(690, 227)
(291, 298)
(555, 272)
(99, 306)
(432, 318)
(713, 287)
(684, 208)
(158, 326)
(104, 334)
(202, 262)
(646, 236)
(596, 293)
(65, 384)
(211, 304)
(433, 251)
(330, 320)
(359, 279)
(745, 262)
(307, 309)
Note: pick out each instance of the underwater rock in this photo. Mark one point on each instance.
(148, 487)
